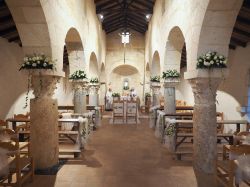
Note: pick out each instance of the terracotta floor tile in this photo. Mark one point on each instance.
(122, 156)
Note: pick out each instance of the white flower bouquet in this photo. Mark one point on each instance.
(170, 74)
(94, 80)
(37, 61)
(78, 75)
(155, 79)
(211, 60)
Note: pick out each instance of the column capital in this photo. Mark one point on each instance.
(80, 84)
(171, 82)
(44, 85)
(220, 73)
(94, 88)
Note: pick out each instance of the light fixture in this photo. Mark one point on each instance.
(100, 17)
(125, 37)
(148, 17)
(125, 34)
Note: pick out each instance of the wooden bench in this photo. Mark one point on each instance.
(226, 136)
(65, 133)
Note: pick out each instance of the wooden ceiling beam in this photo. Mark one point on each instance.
(137, 23)
(112, 25)
(121, 24)
(14, 39)
(8, 30)
(238, 42)
(5, 19)
(136, 28)
(243, 20)
(114, 18)
(105, 5)
(144, 3)
(241, 32)
(232, 46)
(108, 9)
(134, 18)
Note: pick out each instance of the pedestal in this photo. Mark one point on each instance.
(156, 86)
(204, 85)
(80, 91)
(169, 95)
(93, 94)
(44, 122)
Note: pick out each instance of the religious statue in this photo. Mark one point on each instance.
(109, 99)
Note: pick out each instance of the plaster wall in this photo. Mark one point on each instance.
(13, 83)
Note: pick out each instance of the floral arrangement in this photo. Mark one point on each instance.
(155, 79)
(94, 80)
(170, 130)
(147, 94)
(125, 87)
(78, 75)
(211, 60)
(115, 95)
(170, 74)
(37, 61)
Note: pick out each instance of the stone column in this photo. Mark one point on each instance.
(169, 95)
(204, 84)
(80, 90)
(93, 94)
(44, 122)
(156, 86)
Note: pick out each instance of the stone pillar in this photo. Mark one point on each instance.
(204, 84)
(169, 95)
(156, 86)
(93, 94)
(80, 90)
(44, 122)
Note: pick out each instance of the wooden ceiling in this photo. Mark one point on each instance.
(8, 28)
(124, 14)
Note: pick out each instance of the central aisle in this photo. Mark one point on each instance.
(124, 156)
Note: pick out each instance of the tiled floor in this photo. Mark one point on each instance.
(122, 156)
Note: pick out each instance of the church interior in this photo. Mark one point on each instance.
(125, 93)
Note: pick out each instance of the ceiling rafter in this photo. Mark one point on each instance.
(132, 14)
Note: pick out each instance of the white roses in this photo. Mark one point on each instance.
(210, 60)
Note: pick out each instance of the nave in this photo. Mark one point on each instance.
(123, 155)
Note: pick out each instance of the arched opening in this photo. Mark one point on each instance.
(129, 74)
(174, 50)
(93, 66)
(156, 67)
(74, 51)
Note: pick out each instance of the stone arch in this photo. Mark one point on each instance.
(93, 66)
(75, 50)
(156, 67)
(127, 72)
(217, 26)
(173, 49)
(32, 29)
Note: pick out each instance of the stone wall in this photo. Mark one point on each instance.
(133, 69)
